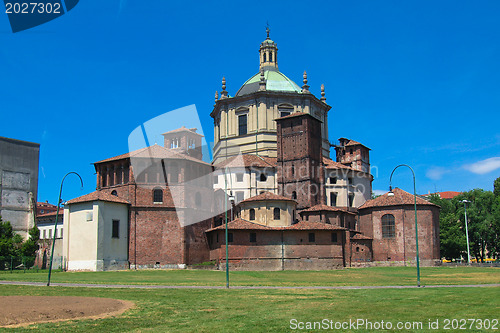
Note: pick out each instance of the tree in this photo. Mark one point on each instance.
(451, 236)
(30, 246)
(6, 235)
(496, 187)
(12, 244)
(483, 215)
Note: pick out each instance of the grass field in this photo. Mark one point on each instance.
(375, 276)
(195, 310)
(221, 310)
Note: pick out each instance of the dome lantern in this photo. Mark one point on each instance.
(268, 52)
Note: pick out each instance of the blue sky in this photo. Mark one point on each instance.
(416, 81)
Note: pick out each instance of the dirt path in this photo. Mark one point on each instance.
(26, 310)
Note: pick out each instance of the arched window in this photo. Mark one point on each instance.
(271, 56)
(112, 193)
(264, 57)
(252, 214)
(263, 177)
(388, 226)
(157, 195)
(294, 195)
(277, 213)
(197, 199)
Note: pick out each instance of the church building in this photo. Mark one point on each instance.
(286, 202)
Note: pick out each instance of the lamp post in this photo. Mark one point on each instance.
(229, 197)
(466, 230)
(55, 225)
(415, 205)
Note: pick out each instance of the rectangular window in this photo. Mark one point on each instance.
(334, 237)
(351, 200)
(239, 177)
(115, 232)
(284, 113)
(333, 199)
(242, 124)
(333, 180)
(50, 233)
(61, 233)
(216, 179)
(240, 196)
(350, 181)
(230, 237)
(253, 237)
(44, 234)
(312, 237)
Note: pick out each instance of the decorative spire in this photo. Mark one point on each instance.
(223, 93)
(305, 87)
(262, 83)
(323, 98)
(216, 96)
(268, 52)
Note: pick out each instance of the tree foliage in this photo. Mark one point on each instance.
(496, 187)
(12, 244)
(483, 217)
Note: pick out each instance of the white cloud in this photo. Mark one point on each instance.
(484, 166)
(436, 173)
(379, 192)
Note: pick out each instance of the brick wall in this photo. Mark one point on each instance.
(402, 247)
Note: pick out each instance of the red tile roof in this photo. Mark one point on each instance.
(240, 224)
(61, 210)
(448, 194)
(399, 198)
(444, 195)
(352, 143)
(183, 129)
(98, 195)
(266, 196)
(305, 225)
(248, 160)
(45, 205)
(322, 208)
(330, 164)
(360, 236)
(294, 114)
(154, 151)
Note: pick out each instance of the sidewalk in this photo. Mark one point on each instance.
(133, 286)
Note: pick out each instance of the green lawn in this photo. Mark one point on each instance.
(195, 310)
(375, 276)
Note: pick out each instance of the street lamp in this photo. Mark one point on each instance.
(55, 225)
(466, 230)
(415, 204)
(229, 197)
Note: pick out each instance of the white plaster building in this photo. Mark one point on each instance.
(95, 232)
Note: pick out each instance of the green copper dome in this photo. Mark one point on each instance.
(275, 81)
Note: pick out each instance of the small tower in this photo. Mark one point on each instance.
(268, 52)
(185, 141)
(353, 154)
